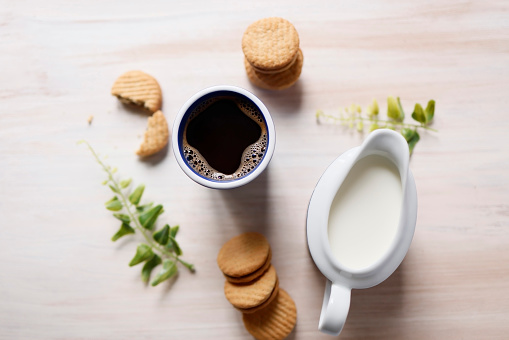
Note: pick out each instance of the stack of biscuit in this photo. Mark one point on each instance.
(273, 59)
(252, 287)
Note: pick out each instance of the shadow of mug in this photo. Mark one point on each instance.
(248, 205)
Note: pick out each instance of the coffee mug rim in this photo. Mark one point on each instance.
(210, 183)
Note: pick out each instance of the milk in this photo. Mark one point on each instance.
(365, 213)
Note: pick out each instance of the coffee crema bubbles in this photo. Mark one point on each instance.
(225, 138)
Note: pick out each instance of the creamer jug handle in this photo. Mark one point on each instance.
(335, 307)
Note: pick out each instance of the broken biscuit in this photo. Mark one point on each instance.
(139, 89)
(156, 136)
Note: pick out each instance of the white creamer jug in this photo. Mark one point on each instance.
(361, 220)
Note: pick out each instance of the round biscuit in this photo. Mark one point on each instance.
(270, 43)
(276, 321)
(139, 89)
(243, 254)
(254, 275)
(264, 304)
(156, 135)
(276, 81)
(252, 294)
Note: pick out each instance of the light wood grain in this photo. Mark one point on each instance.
(62, 278)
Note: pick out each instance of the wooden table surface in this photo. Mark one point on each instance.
(62, 278)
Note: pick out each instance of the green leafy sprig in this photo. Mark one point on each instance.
(352, 116)
(161, 247)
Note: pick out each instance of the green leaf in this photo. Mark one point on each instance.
(124, 230)
(411, 136)
(413, 142)
(373, 109)
(401, 110)
(169, 269)
(148, 218)
(143, 253)
(125, 183)
(145, 207)
(360, 126)
(123, 217)
(174, 230)
(105, 182)
(162, 235)
(354, 109)
(374, 126)
(172, 244)
(135, 196)
(418, 114)
(407, 133)
(394, 109)
(149, 266)
(114, 204)
(430, 111)
(114, 189)
(175, 246)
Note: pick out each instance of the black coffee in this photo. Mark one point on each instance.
(225, 138)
